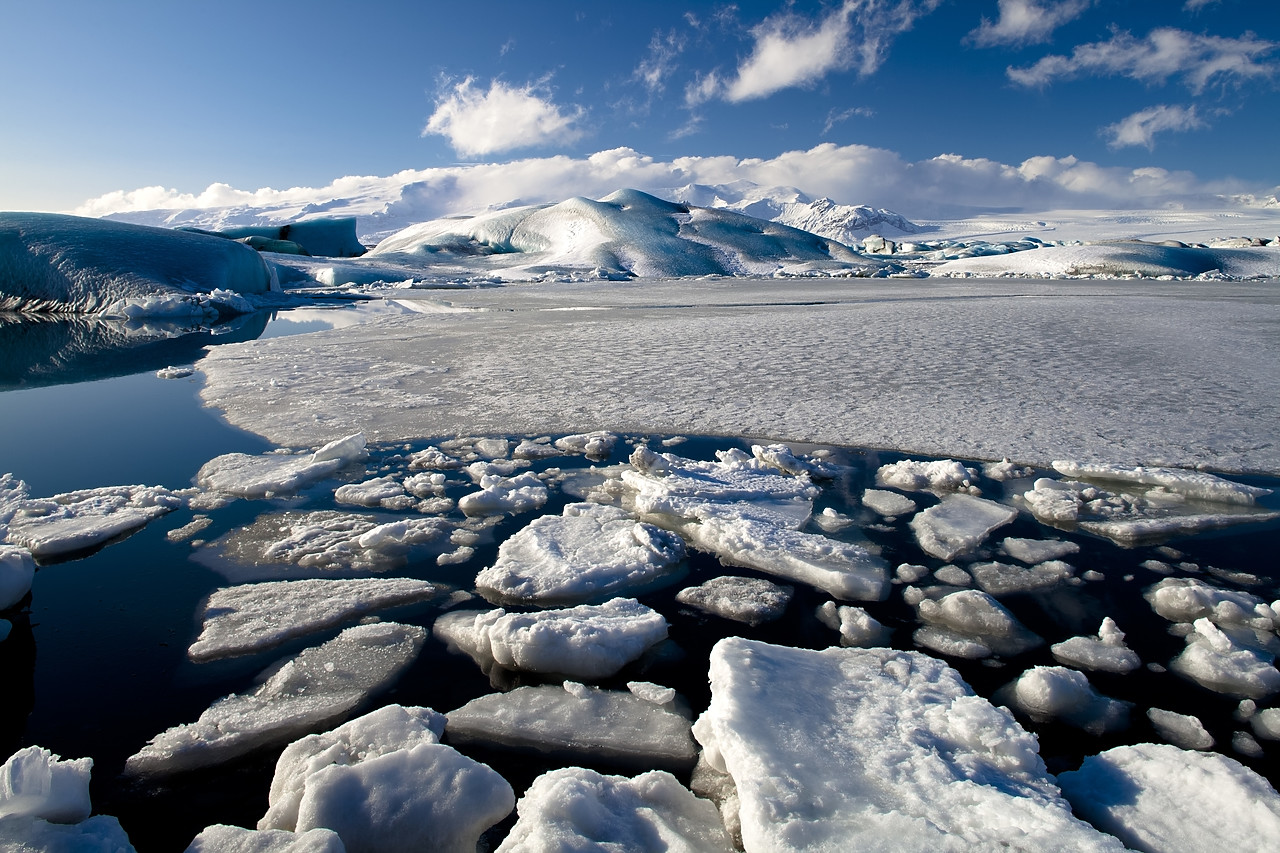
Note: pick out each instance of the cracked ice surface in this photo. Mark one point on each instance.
(745, 357)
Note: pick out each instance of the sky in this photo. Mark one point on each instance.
(991, 104)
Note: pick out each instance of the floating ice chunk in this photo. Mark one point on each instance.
(1135, 531)
(1005, 470)
(1216, 661)
(386, 730)
(36, 783)
(243, 619)
(502, 495)
(274, 474)
(588, 552)
(910, 572)
(427, 797)
(426, 484)
(1193, 484)
(535, 449)
(889, 504)
(98, 834)
(588, 641)
(433, 459)
(1181, 730)
(882, 749)
(586, 723)
(1032, 551)
(831, 521)
(1106, 652)
(172, 372)
(781, 457)
(1266, 724)
(324, 541)
(577, 809)
(314, 688)
(73, 521)
(943, 475)
(221, 838)
(17, 571)
(491, 448)
(971, 620)
(1189, 599)
(381, 491)
(1159, 797)
(857, 627)
(1005, 578)
(13, 493)
(958, 525)
(750, 600)
(953, 575)
(593, 445)
(1047, 693)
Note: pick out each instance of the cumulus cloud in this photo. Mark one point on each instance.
(1141, 127)
(503, 118)
(1023, 22)
(1165, 53)
(792, 50)
(946, 185)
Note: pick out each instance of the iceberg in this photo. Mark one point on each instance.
(583, 642)
(53, 262)
(326, 237)
(577, 809)
(249, 618)
(74, 521)
(881, 749)
(275, 474)
(316, 687)
(581, 722)
(587, 552)
(958, 525)
(753, 601)
(1159, 797)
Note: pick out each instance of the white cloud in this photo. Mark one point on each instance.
(1165, 53)
(1023, 22)
(478, 122)
(834, 117)
(791, 50)
(948, 184)
(1141, 127)
(660, 64)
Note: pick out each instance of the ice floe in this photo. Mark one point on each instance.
(958, 525)
(500, 495)
(53, 262)
(576, 809)
(316, 687)
(970, 624)
(1160, 797)
(75, 521)
(753, 601)
(249, 618)
(1228, 662)
(889, 504)
(579, 722)
(17, 570)
(594, 445)
(583, 642)
(221, 838)
(1120, 259)
(942, 475)
(1181, 730)
(1047, 693)
(1031, 551)
(883, 748)
(385, 492)
(98, 834)
(1193, 484)
(1189, 599)
(589, 551)
(1106, 652)
(857, 627)
(36, 783)
(1004, 578)
(274, 474)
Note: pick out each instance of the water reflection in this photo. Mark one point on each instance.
(39, 350)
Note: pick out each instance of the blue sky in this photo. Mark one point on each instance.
(101, 97)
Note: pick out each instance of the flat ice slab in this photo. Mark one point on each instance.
(584, 642)
(249, 618)
(1159, 797)
(318, 686)
(750, 600)
(1193, 484)
(272, 474)
(587, 552)
(73, 521)
(876, 749)
(577, 809)
(958, 525)
(584, 722)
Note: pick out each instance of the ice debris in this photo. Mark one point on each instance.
(1189, 599)
(1106, 652)
(1181, 730)
(593, 445)
(958, 525)
(888, 504)
(249, 618)
(882, 749)
(574, 808)
(971, 624)
(385, 492)
(73, 521)
(1227, 663)
(942, 475)
(1192, 484)
(500, 495)
(1031, 551)
(583, 642)
(1159, 797)
(274, 474)
(98, 834)
(316, 687)
(1046, 693)
(589, 551)
(857, 627)
(1006, 579)
(36, 783)
(753, 601)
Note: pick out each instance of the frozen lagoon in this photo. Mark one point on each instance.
(446, 683)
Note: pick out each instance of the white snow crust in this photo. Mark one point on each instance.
(753, 601)
(274, 474)
(583, 642)
(318, 686)
(249, 618)
(577, 720)
(577, 809)
(958, 525)
(1160, 797)
(587, 552)
(221, 838)
(883, 750)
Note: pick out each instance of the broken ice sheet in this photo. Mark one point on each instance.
(1106, 652)
(958, 525)
(969, 624)
(273, 474)
(1046, 693)
(74, 521)
(753, 601)
(318, 686)
(243, 619)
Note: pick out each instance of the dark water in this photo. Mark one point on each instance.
(96, 664)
